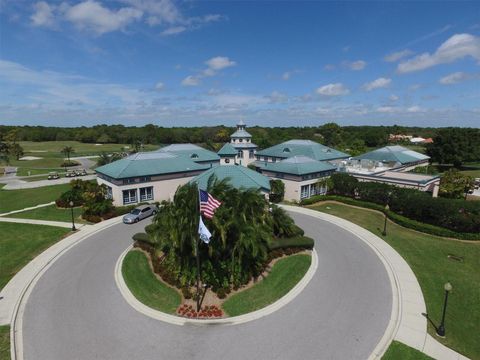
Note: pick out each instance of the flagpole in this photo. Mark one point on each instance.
(198, 256)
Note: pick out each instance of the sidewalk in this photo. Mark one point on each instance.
(41, 222)
(26, 209)
(20, 184)
(407, 324)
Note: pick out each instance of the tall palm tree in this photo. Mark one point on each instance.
(67, 151)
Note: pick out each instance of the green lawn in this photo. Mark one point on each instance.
(21, 243)
(54, 148)
(19, 199)
(285, 274)
(51, 213)
(428, 256)
(399, 351)
(146, 287)
(5, 342)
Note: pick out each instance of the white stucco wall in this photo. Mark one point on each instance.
(232, 160)
(162, 190)
(293, 188)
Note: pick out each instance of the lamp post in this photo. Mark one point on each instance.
(441, 328)
(73, 221)
(384, 232)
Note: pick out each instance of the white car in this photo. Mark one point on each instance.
(139, 213)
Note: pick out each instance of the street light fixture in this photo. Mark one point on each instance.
(441, 328)
(384, 232)
(73, 221)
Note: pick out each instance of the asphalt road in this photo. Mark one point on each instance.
(76, 311)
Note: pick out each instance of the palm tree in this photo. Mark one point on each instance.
(67, 151)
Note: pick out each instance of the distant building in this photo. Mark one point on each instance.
(390, 165)
(302, 165)
(306, 148)
(303, 176)
(399, 137)
(417, 140)
(156, 175)
(241, 141)
(228, 155)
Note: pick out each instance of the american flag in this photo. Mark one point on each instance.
(208, 204)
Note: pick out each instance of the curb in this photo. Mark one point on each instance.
(177, 320)
(16, 322)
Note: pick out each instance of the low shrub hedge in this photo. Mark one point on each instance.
(303, 242)
(399, 219)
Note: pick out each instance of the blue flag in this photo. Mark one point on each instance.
(205, 235)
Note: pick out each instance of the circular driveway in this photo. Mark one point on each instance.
(75, 310)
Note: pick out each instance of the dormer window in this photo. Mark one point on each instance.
(286, 150)
(194, 156)
(241, 140)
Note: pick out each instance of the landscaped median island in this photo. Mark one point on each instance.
(434, 260)
(254, 254)
(399, 351)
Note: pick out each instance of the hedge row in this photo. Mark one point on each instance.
(303, 242)
(399, 219)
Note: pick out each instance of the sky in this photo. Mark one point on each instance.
(194, 63)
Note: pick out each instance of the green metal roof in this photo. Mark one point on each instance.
(307, 148)
(149, 164)
(238, 176)
(241, 134)
(191, 152)
(227, 150)
(297, 165)
(395, 153)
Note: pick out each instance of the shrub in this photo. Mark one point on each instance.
(92, 218)
(277, 191)
(187, 294)
(302, 242)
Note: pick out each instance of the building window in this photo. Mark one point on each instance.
(129, 196)
(240, 154)
(128, 181)
(227, 161)
(305, 191)
(251, 155)
(145, 179)
(109, 193)
(241, 140)
(146, 193)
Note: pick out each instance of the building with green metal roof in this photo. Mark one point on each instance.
(228, 154)
(307, 148)
(192, 152)
(239, 177)
(394, 155)
(241, 141)
(303, 176)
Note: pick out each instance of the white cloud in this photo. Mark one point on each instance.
(159, 11)
(336, 89)
(387, 109)
(174, 30)
(191, 81)
(91, 15)
(219, 63)
(393, 97)
(43, 15)
(414, 109)
(355, 65)
(277, 97)
(329, 67)
(286, 75)
(394, 57)
(454, 78)
(456, 47)
(159, 86)
(377, 84)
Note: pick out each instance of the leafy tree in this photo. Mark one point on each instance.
(277, 191)
(332, 134)
(104, 139)
(454, 184)
(343, 184)
(105, 158)
(455, 146)
(4, 152)
(16, 150)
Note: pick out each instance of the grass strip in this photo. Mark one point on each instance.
(285, 274)
(399, 351)
(434, 260)
(19, 199)
(20, 243)
(145, 286)
(5, 342)
(50, 213)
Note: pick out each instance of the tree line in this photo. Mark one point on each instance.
(451, 145)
